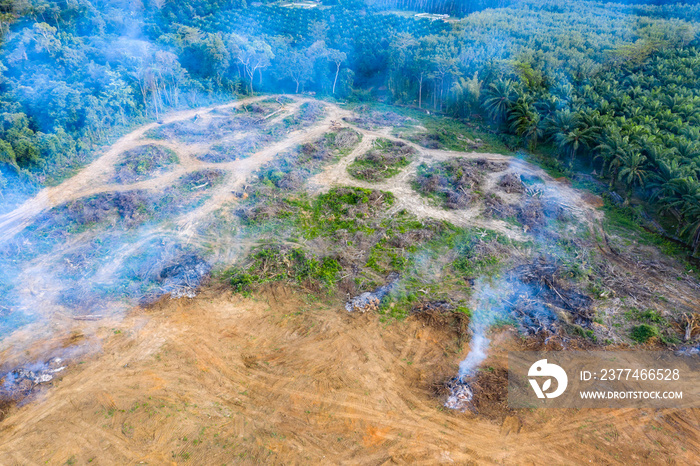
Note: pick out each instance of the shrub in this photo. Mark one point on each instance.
(644, 332)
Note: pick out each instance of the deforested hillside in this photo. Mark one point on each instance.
(324, 231)
(158, 269)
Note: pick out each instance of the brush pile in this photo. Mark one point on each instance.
(143, 162)
(460, 394)
(183, 275)
(454, 181)
(442, 314)
(371, 120)
(539, 301)
(511, 183)
(384, 160)
(370, 301)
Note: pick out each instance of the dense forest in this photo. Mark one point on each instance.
(613, 87)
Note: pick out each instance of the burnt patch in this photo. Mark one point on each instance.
(511, 184)
(442, 315)
(370, 301)
(541, 304)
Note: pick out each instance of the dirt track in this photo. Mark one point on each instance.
(96, 177)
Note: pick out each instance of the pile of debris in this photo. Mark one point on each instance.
(539, 302)
(688, 351)
(533, 212)
(511, 183)
(496, 208)
(372, 120)
(183, 276)
(370, 301)
(384, 160)
(460, 394)
(442, 314)
(22, 380)
(365, 302)
(434, 306)
(456, 181)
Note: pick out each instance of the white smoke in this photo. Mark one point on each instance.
(477, 354)
(487, 308)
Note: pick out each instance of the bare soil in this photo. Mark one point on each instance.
(275, 379)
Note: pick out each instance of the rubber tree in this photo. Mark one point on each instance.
(255, 56)
(338, 58)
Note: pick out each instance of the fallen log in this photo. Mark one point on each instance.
(90, 317)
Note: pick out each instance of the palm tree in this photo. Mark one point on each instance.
(685, 202)
(679, 190)
(632, 171)
(562, 121)
(691, 212)
(526, 122)
(501, 96)
(569, 132)
(530, 128)
(612, 151)
(687, 150)
(572, 142)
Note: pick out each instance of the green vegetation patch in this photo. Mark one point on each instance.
(346, 243)
(384, 160)
(626, 223)
(348, 209)
(439, 266)
(429, 130)
(277, 263)
(450, 134)
(644, 332)
(476, 254)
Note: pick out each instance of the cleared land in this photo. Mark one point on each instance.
(286, 374)
(277, 379)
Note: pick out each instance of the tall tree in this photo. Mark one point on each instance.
(255, 56)
(338, 58)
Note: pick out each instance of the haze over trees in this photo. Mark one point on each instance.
(613, 87)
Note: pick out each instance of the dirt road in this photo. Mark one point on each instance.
(97, 177)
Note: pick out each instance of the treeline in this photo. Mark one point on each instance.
(73, 72)
(624, 121)
(449, 7)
